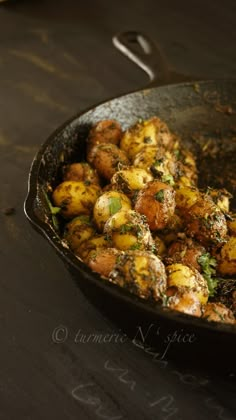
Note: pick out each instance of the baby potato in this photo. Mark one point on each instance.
(140, 272)
(182, 276)
(128, 229)
(157, 202)
(206, 222)
(80, 171)
(130, 180)
(185, 197)
(161, 163)
(227, 260)
(94, 243)
(232, 225)
(75, 198)
(106, 158)
(185, 252)
(185, 301)
(77, 231)
(186, 167)
(174, 228)
(105, 131)
(160, 247)
(218, 312)
(103, 260)
(221, 198)
(108, 204)
(149, 132)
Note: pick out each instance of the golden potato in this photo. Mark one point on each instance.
(221, 198)
(108, 204)
(185, 197)
(128, 229)
(157, 202)
(92, 244)
(227, 260)
(105, 131)
(160, 162)
(182, 276)
(131, 180)
(218, 312)
(206, 222)
(106, 159)
(140, 272)
(75, 198)
(145, 133)
(80, 171)
(77, 231)
(231, 223)
(184, 300)
(103, 260)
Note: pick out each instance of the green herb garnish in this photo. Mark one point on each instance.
(159, 196)
(208, 265)
(114, 205)
(168, 179)
(53, 210)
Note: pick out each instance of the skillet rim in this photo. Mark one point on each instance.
(68, 257)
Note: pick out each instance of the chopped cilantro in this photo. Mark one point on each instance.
(114, 205)
(159, 196)
(135, 246)
(208, 265)
(168, 179)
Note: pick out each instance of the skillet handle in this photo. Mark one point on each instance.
(139, 48)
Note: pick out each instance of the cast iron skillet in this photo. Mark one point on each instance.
(203, 114)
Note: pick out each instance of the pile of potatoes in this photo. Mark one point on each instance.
(133, 214)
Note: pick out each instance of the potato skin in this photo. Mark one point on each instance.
(206, 222)
(77, 231)
(108, 204)
(185, 252)
(218, 312)
(94, 243)
(75, 198)
(80, 171)
(188, 279)
(227, 260)
(185, 301)
(157, 202)
(127, 230)
(106, 158)
(103, 260)
(140, 272)
(105, 131)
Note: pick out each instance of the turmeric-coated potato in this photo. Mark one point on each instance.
(184, 300)
(107, 158)
(218, 312)
(185, 252)
(128, 229)
(181, 276)
(227, 260)
(231, 223)
(157, 202)
(108, 204)
(94, 243)
(77, 231)
(145, 133)
(131, 180)
(105, 131)
(75, 198)
(80, 171)
(103, 260)
(160, 162)
(185, 197)
(206, 222)
(140, 272)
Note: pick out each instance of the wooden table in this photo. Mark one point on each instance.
(56, 59)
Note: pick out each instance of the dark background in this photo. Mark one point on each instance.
(56, 59)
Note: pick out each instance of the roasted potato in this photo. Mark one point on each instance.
(157, 202)
(218, 312)
(145, 133)
(105, 131)
(140, 272)
(206, 222)
(160, 162)
(231, 223)
(128, 229)
(227, 259)
(103, 260)
(183, 300)
(108, 204)
(107, 158)
(185, 197)
(188, 279)
(77, 231)
(80, 171)
(94, 243)
(186, 252)
(131, 180)
(75, 198)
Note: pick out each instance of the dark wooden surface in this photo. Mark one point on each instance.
(57, 58)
